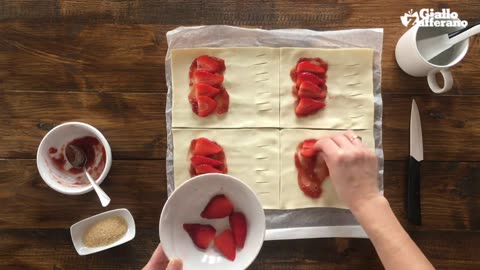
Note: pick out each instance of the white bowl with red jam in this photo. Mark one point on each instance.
(54, 167)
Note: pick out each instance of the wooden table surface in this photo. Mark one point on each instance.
(102, 62)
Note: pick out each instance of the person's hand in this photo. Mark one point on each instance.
(353, 168)
(159, 261)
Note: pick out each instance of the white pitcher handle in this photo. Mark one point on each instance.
(447, 80)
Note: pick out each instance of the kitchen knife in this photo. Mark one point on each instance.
(416, 156)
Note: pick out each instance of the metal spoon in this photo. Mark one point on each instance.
(77, 158)
(433, 46)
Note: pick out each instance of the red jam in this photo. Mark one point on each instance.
(312, 169)
(95, 155)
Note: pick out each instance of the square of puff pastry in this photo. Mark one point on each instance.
(291, 196)
(251, 156)
(349, 80)
(250, 78)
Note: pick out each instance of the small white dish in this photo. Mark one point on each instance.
(78, 229)
(51, 159)
(185, 205)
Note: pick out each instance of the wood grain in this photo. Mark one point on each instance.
(52, 249)
(349, 13)
(359, 253)
(450, 195)
(81, 57)
(28, 202)
(112, 57)
(134, 124)
(449, 125)
(102, 62)
(450, 192)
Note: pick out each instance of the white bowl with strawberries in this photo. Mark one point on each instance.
(213, 221)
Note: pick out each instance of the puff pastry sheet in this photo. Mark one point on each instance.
(264, 160)
(251, 79)
(349, 103)
(260, 132)
(260, 88)
(251, 155)
(291, 196)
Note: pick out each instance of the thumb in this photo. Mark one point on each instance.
(175, 264)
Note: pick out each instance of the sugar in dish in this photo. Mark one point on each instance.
(105, 232)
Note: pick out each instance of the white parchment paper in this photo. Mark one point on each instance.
(299, 223)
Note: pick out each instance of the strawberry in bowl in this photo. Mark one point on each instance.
(213, 221)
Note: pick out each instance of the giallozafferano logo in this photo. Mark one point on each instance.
(428, 17)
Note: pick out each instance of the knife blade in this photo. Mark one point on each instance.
(416, 156)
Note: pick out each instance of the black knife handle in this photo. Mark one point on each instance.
(413, 192)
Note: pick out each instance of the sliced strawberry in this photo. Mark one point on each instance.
(226, 244)
(200, 234)
(221, 157)
(223, 168)
(193, 101)
(308, 148)
(191, 170)
(295, 91)
(205, 168)
(223, 101)
(193, 68)
(202, 76)
(316, 61)
(198, 160)
(238, 223)
(309, 187)
(303, 59)
(312, 171)
(308, 106)
(192, 145)
(307, 66)
(205, 147)
(307, 76)
(306, 180)
(210, 64)
(293, 74)
(203, 89)
(311, 90)
(218, 207)
(206, 105)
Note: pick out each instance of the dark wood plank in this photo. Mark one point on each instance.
(134, 124)
(81, 57)
(52, 50)
(28, 202)
(450, 192)
(450, 195)
(286, 12)
(360, 254)
(52, 249)
(129, 58)
(449, 124)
